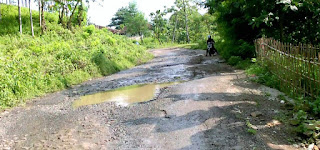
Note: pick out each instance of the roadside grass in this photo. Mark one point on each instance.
(151, 43)
(31, 67)
(303, 113)
(59, 58)
(9, 24)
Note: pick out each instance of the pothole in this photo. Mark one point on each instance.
(124, 96)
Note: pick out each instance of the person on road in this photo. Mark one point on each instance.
(210, 46)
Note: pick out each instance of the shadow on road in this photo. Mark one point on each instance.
(225, 126)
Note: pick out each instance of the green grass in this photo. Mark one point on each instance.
(303, 115)
(250, 128)
(9, 23)
(152, 43)
(33, 66)
(252, 131)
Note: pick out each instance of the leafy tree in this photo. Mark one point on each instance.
(240, 22)
(199, 28)
(73, 11)
(175, 22)
(122, 13)
(208, 21)
(184, 5)
(136, 25)
(158, 24)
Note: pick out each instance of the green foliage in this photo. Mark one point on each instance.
(200, 44)
(262, 75)
(159, 25)
(305, 114)
(119, 18)
(59, 59)
(306, 118)
(315, 106)
(9, 23)
(136, 24)
(234, 60)
(101, 60)
(151, 43)
(244, 64)
(250, 128)
(239, 23)
(89, 29)
(252, 131)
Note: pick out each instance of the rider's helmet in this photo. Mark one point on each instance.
(209, 36)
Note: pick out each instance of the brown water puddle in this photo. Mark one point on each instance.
(124, 95)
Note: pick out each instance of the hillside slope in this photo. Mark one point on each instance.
(9, 23)
(59, 58)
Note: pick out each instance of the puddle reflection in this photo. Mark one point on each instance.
(123, 96)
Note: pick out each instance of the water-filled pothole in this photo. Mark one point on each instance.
(124, 95)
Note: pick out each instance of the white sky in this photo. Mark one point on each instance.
(102, 13)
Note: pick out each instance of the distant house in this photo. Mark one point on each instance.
(114, 31)
(100, 27)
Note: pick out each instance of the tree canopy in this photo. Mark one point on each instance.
(122, 13)
(136, 25)
(239, 23)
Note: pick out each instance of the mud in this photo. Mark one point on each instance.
(209, 110)
(124, 96)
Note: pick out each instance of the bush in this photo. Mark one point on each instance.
(89, 29)
(234, 60)
(244, 64)
(262, 75)
(201, 44)
(150, 42)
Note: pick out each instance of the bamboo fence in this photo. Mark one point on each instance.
(296, 66)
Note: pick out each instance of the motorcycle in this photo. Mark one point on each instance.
(210, 49)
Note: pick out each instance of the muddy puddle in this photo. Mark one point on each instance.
(123, 96)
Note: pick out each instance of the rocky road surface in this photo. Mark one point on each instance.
(210, 109)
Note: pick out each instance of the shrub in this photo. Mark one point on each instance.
(201, 44)
(234, 60)
(262, 75)
(89, 29)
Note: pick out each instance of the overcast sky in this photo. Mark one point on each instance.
(102, 13)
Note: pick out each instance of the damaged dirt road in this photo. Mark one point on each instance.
(210, 107)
